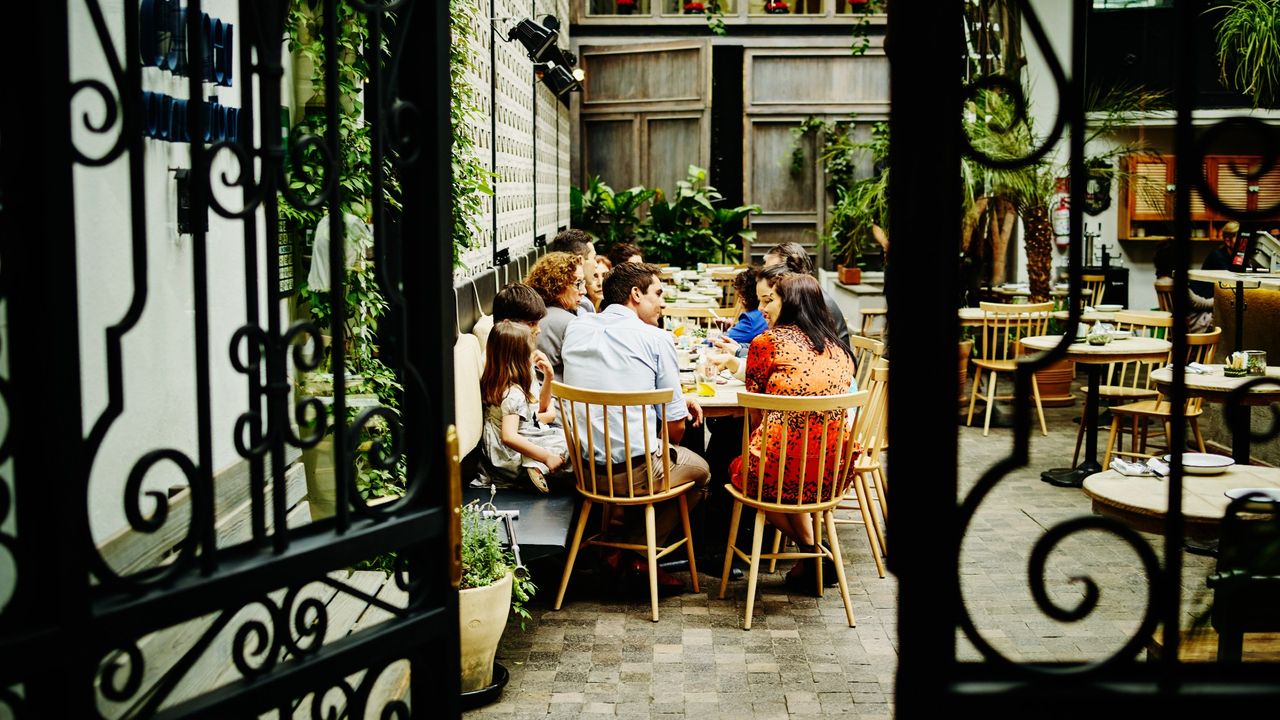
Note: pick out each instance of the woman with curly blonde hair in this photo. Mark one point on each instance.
(558, 278)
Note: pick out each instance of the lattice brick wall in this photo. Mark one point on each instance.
(513, 112)
(480, 259)
(547, 180)
(564, 153)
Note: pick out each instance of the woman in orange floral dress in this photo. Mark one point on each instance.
(799, 355)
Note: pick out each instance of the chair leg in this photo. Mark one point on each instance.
(991, 401)
(753, 572)
(973, 394)
(777, 546)
(882, 491)
(870, 524)
(1111, 440)
(573, 551)
(1195, 430)
(729, 546)
(880, 520)
(837, 557)
(815, 520)
(688, 542)
(650, 533)
(1035, 390)
(1134, 447)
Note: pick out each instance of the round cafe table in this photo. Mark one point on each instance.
(1094, 358)
(1216, 387)
(1142, 502)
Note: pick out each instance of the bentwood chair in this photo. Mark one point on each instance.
(1003, 326)
(828, 475)
(1130, 380)
(647, 478)
(1140, 415)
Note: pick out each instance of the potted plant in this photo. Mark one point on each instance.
(611, 217)
(1248, 40)
(492, 587)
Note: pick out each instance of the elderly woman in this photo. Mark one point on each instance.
(801, 355)
(557, 277)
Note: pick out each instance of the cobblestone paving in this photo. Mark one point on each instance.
(602, 657)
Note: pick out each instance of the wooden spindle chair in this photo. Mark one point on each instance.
(1003, 326)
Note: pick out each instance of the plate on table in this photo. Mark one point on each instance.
(1203, 463)
(1267, 494)
(1108, 308)
(1121, 334)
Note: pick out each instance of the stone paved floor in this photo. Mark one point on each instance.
(602, 657)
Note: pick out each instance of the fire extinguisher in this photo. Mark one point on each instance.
(1061, 217)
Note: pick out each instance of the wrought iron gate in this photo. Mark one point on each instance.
(71, 622)
(928, 92)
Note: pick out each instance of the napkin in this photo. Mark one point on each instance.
(1140, 469)
(1198, 369)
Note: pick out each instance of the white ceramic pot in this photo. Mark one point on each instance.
(321, 483)
(482, 616)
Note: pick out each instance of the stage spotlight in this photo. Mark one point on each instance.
(535, 38)
(557, 78)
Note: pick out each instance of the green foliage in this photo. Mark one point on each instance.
(685, 228)
(485, 560)
(1248, 39)
(715, 17)
(856, 203)
(610, 217)
(472, 181)
(861, 37)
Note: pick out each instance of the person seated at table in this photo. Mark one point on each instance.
(580, 243)
(594, 277)
(1200, 319)
(796, 259)
(557, 278)
(799, 355)
(522, 304)
(1218, 259)
(623, 348)
(750, 321)
(624, 252)
(519, 438)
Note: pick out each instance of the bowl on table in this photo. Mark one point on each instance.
(1108, 308)
(1203, 463)
(1266, 495)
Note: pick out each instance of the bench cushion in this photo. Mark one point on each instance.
(468, 364)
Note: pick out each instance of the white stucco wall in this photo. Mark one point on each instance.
(159, 356)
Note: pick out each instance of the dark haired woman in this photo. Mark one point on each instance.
(799, 355)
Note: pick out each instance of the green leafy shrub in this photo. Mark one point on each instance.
(485, 561)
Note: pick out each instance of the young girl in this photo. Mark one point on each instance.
(516, 434)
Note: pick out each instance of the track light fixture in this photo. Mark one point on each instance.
(536, 38)
(557, 78)
(552, 64)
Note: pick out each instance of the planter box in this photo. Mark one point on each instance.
(849, 275)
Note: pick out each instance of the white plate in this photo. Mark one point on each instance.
(1121, 334)
(1108, 308)
(1271, 494)
(1203, 463)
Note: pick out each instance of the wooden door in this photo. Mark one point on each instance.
(645, 113)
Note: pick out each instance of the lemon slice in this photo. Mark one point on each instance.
(706, 389)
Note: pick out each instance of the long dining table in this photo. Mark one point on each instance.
(1094, 358)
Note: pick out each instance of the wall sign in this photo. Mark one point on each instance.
(164, 41)
(166, 118)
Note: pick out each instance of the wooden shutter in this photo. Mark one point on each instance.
(1150, 180)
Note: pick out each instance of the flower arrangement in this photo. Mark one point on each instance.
(777, 7)
(693, 7)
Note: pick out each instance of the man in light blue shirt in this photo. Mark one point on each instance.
(622, 348)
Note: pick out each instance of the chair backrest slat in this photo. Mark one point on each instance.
(1005, 324)
(595, 478)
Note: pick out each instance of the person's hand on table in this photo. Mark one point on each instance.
(695, 411)
(727, 344)
(724, 361)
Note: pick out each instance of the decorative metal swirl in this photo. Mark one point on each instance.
(1237, 405)
(10, 700)
(307, 411)
(244, 179)
(267, 642)
(1013, 88)
(109, 101)
(310, 620)
(1238, 129)
(114, 687)
(298, 148)
(384, 455)
(318, 706)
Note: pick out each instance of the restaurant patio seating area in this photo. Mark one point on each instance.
(602, 656)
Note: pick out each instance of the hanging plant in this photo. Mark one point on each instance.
(1248, 39)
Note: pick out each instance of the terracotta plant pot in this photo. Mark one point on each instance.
(482, 616)
(849, 275)
(1055, 384)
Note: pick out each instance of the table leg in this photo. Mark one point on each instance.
(1074, 477)
(1238, 417)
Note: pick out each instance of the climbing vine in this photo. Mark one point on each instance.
(472, 181)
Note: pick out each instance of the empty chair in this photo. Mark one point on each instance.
(822, 479)
(1164, 293)
(1140, 415)
(870, 328)
(866, 351)
(702, 317)
(1097, 287)
(643, 481)
(1003, 326)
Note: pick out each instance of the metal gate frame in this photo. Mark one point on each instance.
(68, 611)
(927, 93)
